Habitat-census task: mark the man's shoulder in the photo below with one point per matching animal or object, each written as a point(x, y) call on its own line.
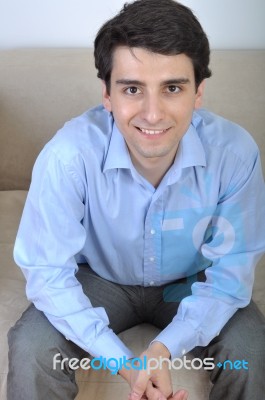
point(84, 135)
point(220, 133)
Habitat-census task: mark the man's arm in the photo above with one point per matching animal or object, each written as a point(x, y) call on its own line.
point(49, 237)
point(235, 246)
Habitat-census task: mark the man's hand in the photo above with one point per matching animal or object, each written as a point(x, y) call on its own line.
point(179, 395)
point(155, 383)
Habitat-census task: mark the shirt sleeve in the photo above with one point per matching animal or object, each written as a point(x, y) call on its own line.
point(234, 247)
point(50, 235)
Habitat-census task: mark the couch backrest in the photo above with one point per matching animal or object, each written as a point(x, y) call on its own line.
point(40, 89)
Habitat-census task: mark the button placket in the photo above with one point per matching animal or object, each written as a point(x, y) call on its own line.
point(152, 243)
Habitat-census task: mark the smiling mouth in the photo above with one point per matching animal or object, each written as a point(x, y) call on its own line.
point(152, 131)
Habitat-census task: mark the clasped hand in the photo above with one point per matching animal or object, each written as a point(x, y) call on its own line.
point(153, 383)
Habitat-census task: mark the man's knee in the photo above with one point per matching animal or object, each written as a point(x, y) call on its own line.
point(36, 352)
point(240, 345)
point(33, 340)
point(26, 346)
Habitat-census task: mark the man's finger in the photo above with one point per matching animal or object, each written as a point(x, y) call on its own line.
point(136, 394)
point(139, 386)
point(154, 393)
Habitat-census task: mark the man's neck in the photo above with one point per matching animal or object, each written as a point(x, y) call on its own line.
point(154, 169)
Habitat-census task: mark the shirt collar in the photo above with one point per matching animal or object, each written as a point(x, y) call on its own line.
point(191, 148)
point(190, 151)
point(118, 154)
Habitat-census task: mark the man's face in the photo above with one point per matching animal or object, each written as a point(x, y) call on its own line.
point(152, 98)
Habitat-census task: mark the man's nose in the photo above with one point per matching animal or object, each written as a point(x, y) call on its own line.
point(153, 110)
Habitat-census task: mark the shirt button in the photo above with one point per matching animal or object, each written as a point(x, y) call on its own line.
point(152, 231)
point(152, 283)
point(152, 259)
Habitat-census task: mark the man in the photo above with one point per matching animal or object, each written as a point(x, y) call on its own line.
point(163, 202)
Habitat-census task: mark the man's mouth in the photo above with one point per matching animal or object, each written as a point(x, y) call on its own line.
point(152, 131)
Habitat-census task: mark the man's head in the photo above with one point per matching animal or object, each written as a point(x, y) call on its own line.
point(160, 26)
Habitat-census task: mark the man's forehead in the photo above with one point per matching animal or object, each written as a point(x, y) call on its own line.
point(132, 63)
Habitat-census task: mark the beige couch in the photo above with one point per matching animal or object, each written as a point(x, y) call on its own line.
point(42, 88)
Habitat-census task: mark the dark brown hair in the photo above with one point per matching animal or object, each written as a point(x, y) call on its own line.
point(161, 26)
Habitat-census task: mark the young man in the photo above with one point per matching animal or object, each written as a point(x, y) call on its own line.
point(163, 202)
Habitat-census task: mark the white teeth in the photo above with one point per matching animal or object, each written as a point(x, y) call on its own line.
point(151, 132)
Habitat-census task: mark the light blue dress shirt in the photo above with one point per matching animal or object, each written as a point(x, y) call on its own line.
point(88, 203)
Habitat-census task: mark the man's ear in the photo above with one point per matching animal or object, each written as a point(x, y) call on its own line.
point(199, 95)
point(106, 97)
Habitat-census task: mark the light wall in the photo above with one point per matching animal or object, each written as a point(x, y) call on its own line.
point(65, 23)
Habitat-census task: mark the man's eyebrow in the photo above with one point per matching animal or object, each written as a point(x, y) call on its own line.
point(130, 82)
point(173, 81)
point(176, 81)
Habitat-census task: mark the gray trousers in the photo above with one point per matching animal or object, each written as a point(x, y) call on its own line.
point(33, 342)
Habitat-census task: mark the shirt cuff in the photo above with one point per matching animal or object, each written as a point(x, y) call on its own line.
point(109, 346)
point(179, 337)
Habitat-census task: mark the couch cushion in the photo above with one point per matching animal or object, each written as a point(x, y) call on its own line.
point(40, 90)
point(11, 206)
point(237, 90)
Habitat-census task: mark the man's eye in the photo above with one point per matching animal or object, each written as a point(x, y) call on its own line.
point(132, 90)
point(173, 89)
